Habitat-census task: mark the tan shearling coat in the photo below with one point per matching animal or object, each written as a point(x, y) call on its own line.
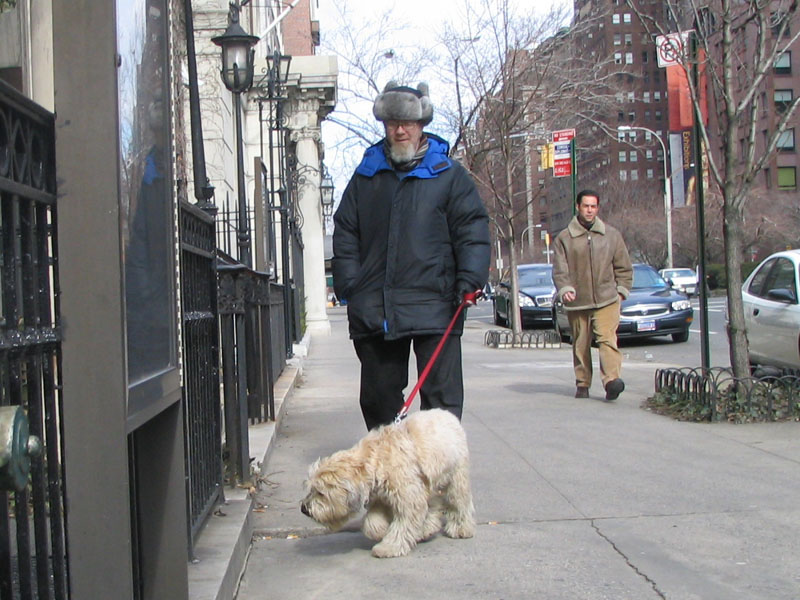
point(593, 263)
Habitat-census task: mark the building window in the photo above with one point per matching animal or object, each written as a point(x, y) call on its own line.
point(617, 58)
point(644, 57)
point(617, 39)
point(620, 116)
point(658, 115)
point(632, 136)
point(786, 141)
point(628, 39)
point(656, 96)
point(621, 136)
point(631, 116)
point(633, 155)
point(623, 175)
point(626, 18)
point(648, 136)
point(615, 19)
point(783, 98)
point(787, 178)
point(649, 173)
point(631, 96)
point(647, 115)
point(634, 175)
point(629, 58)
point(646, 97)
point(783, 63)
point(623, 156)
point(648, 154)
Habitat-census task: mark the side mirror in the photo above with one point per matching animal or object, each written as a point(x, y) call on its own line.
point(782, 295)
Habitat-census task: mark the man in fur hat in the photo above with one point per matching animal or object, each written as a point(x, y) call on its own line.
point(411, 238)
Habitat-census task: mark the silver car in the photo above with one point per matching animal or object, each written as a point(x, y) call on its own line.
point(772, 312)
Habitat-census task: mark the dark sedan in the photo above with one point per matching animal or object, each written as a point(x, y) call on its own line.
point(536, 291)
point(651, 309)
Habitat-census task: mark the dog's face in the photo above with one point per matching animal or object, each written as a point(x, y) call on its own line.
point(334, 492)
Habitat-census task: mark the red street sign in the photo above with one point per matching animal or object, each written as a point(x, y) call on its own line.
point(563, 135)
point(562, 170)
point(562, 152)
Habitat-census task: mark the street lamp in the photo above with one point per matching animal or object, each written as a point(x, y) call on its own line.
point(530, 235)
point(667, 187)
point(237, 75)
point(326, 195)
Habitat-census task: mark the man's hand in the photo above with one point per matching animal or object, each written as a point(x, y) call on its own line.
point(467, 296)
point(568, 296)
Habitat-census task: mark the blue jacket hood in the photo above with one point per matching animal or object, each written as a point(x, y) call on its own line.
point(435, 161)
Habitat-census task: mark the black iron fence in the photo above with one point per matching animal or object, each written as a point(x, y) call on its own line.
point(254, 354)
point(202, 411)
point(714, 394)
point(33, 561)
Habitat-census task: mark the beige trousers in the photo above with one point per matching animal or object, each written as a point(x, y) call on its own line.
point(602, 322)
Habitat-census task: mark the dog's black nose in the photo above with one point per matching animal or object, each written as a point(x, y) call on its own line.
point(304, 510)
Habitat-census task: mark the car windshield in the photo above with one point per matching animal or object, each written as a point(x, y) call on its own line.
point(535, 277)
point(645, 277)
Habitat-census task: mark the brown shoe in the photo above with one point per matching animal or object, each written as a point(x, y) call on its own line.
point(614, 389)
point(581, 392)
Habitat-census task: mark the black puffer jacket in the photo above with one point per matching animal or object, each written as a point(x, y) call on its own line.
point(404, 244)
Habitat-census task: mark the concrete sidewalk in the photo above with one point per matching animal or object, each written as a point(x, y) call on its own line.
point(575, 498)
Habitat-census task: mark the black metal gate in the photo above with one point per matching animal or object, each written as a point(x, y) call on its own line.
point(33, 562)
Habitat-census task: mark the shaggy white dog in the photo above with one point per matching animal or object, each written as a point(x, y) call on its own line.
point(408, 475)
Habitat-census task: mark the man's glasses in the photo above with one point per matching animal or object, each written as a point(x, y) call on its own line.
point(406, 125)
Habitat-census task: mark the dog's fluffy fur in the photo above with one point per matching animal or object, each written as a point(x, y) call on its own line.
point(408, 475)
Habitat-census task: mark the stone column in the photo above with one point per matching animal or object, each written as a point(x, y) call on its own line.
point(306, 140)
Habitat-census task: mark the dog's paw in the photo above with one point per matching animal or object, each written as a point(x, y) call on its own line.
point(459, 529)
point(432, 526)
point(385, 550)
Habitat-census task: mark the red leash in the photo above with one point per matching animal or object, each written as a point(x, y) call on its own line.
point(469, 299)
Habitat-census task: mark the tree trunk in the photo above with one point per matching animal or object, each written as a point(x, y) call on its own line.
point(737, 338)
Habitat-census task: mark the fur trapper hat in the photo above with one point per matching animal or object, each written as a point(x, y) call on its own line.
point(404, 103)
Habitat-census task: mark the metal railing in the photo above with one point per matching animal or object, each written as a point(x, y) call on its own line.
point(201, 396)
point(33, 560)
point(253, 355)
point(716, 395)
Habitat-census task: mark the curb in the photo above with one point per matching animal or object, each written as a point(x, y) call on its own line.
point(221, 549)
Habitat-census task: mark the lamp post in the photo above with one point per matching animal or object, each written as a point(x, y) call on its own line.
point(237, 75)
point(326, 195)
point(667, 187)
point(530, 235)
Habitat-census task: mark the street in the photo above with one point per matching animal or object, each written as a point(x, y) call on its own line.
point(662, 349)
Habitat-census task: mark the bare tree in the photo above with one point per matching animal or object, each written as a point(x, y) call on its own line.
point(517, 78)
point(738, 44)
point(368, 58)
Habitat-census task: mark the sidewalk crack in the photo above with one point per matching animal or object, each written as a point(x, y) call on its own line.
point(628, 561)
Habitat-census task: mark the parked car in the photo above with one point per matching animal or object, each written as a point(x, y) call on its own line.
point(682, 279)
point(771, 311)
point(653, 308)
point(536, 291)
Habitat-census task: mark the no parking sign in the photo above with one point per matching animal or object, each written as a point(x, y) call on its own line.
point(671, 48)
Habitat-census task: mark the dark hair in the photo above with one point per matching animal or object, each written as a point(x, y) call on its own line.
point(587, 192)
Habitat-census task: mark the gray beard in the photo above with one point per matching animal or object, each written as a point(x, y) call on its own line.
point(401, 153)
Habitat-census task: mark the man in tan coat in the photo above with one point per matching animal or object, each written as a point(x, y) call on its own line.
point(593, 274)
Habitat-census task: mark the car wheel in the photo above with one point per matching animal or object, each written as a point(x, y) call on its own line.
point(681, 336)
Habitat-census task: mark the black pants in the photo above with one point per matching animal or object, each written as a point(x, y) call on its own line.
point(384, 375)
